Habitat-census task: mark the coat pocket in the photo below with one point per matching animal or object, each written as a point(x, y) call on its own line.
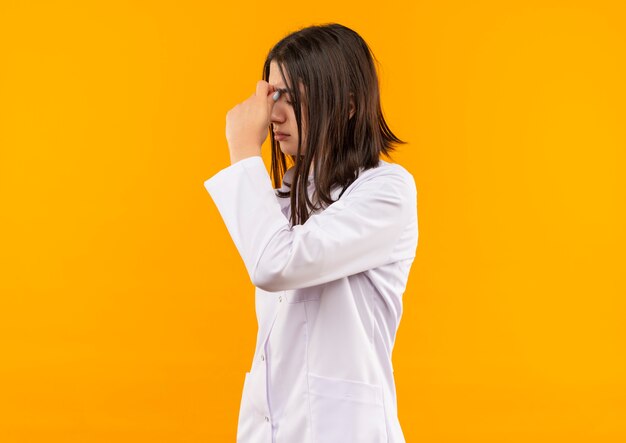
point(345, 411)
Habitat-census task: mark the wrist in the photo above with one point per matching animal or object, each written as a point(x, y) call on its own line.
point(241, 154)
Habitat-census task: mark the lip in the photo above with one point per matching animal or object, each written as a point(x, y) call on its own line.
point(280, 135)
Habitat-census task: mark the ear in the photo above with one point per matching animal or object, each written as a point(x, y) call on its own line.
point(351, 105)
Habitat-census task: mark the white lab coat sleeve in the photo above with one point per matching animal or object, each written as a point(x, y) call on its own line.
point(356, 233)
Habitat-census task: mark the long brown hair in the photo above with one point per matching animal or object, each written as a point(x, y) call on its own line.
point(333, 63)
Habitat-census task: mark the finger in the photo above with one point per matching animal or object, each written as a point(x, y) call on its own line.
point(261, 88)
point(271, 100)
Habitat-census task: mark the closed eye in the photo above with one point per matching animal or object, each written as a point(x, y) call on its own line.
point(284, 92)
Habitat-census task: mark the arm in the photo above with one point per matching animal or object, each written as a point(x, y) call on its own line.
point(354, 234)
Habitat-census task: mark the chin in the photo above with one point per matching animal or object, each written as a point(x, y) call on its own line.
point(286, 150)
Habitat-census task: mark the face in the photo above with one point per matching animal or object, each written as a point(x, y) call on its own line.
point(283, 116)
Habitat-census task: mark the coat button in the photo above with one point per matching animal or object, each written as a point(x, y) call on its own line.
point(262, 357)
point(280, 298)
point(267, 418)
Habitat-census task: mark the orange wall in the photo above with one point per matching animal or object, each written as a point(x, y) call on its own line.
point(126, 313)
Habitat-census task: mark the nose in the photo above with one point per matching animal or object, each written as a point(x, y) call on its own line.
point(278, 113)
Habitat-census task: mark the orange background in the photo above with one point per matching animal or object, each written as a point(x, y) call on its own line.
point(126, 312)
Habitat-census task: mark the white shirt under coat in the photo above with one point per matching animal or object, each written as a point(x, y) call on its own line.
point(328, 303)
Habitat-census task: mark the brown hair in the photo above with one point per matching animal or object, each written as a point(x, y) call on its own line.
point(333, 63)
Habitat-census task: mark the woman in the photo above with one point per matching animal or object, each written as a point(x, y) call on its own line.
point(329, 252)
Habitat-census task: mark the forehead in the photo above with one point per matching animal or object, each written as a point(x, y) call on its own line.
point(275, 78)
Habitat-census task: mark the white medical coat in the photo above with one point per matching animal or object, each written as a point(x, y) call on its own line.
point(328, 303)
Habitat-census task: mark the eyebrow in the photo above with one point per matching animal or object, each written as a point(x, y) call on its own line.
point(283, 90)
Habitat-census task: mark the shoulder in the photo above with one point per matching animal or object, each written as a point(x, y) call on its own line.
point(394, 174)
point(388, 175)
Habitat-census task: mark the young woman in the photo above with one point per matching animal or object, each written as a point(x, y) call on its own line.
point(329, 251)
